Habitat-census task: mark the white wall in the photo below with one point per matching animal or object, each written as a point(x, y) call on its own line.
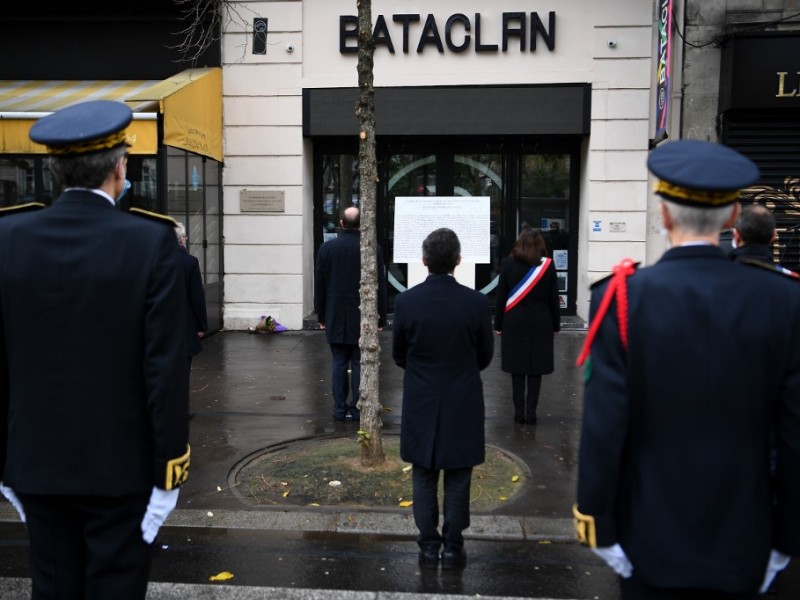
point(269, 257)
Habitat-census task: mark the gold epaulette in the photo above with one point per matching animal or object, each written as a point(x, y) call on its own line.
point(605, 278)
point(585, 527)
point(166, 220)
point(177, 470)
point(772, 268)
point(21, 208)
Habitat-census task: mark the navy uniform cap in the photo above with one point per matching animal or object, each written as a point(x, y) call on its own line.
point(697, 173)
point(83, 128)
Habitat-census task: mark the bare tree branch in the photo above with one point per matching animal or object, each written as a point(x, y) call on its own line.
point(204, 20)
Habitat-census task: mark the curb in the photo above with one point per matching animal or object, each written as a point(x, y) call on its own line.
point(483, 527)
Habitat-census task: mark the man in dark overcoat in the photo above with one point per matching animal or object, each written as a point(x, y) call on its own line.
point(93, 428)
point(337, 300)
point(443, 340)
point(695, 362)
point(196, 317)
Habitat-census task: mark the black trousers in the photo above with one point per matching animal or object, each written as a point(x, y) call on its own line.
point(525, 404)
point(86, 547)
point(632, 589)
point(425, 483)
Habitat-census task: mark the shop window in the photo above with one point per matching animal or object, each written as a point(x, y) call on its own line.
point(25, 179)
point(340, 181)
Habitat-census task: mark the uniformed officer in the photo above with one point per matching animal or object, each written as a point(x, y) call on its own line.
point(93, 427)
point(692, 362)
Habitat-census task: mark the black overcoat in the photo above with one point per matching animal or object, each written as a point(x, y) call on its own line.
point(337, 282)
point(675, 446)
point(196, 316)
point(443, 339)
point(91, 350)
point(528, 328)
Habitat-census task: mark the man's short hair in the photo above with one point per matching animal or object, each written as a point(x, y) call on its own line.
point(86, 170)
point(756, 224)
point(351, 218)
point(180, 230)
point(696, 220)
point(441, 250)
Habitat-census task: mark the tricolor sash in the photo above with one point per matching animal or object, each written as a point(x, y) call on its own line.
point(527, 284)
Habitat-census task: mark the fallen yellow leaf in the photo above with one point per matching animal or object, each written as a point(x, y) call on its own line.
point(515, 478)
point(285, 494)
point(224, 576)
point(502, 498)
point(405, 503)
point(406, 469)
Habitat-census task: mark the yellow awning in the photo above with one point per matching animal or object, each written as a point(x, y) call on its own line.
point(23, 102)
point(190, 102)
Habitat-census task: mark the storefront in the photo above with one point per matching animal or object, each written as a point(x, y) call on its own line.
point(760, 116)
point(174, 159)
point(546, 112)
point(526, 162)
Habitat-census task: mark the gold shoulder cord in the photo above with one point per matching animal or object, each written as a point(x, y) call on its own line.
point(177, 470)
point(153, 215)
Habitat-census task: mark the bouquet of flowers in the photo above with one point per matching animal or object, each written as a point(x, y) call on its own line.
point(268, 325)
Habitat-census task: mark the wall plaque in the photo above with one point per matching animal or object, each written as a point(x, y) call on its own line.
point(262, 201)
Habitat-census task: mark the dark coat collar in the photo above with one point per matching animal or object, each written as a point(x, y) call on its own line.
point(703, 251)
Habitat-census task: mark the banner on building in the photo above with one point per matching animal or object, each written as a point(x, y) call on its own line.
point(663, 72)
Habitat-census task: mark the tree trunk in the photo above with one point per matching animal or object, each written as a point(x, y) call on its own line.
point(370, 436)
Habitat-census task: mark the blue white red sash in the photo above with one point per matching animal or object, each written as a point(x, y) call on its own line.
point(527, 284)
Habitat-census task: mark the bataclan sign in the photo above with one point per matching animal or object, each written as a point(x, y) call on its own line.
point(460, 33)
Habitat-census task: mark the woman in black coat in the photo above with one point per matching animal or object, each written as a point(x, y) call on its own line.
point(527, 315)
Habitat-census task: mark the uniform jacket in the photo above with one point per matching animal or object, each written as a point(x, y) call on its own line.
point(443, 339)
point(528, 328)
point(196, 318)
point(337, 282)
point(674, 456)
point(90, 363)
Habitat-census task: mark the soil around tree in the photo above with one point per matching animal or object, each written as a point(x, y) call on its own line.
point(327, 471)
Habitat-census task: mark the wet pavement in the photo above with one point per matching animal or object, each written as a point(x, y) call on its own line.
point(251, 392)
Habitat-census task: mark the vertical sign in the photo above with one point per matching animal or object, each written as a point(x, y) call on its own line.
point(260, 35)
point(664, 69)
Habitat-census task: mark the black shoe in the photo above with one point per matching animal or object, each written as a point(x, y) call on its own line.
point(531, 421)
point(428, 559)
point(519, 420)
point(455, 558)
point(338, 419)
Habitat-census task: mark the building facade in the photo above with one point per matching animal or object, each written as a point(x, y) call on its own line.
point(547, 111)
point(544, 113)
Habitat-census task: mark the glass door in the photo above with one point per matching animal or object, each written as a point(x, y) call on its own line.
point(545, 195)
point(444, 174)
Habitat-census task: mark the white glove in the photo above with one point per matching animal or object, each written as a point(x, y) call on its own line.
point(161, 504)
point(777, 563)
point(616, 558)
point(12, 497)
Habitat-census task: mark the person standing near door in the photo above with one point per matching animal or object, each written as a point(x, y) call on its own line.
point(93, 427)
point(527, 317)
point(337, 297)
point(196, 317)
point(442, 338)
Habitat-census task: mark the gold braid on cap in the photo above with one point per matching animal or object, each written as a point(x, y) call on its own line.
point(105, 143)
point(699, 196)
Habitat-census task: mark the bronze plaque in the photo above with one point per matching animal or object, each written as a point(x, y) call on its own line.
point(262, 201)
